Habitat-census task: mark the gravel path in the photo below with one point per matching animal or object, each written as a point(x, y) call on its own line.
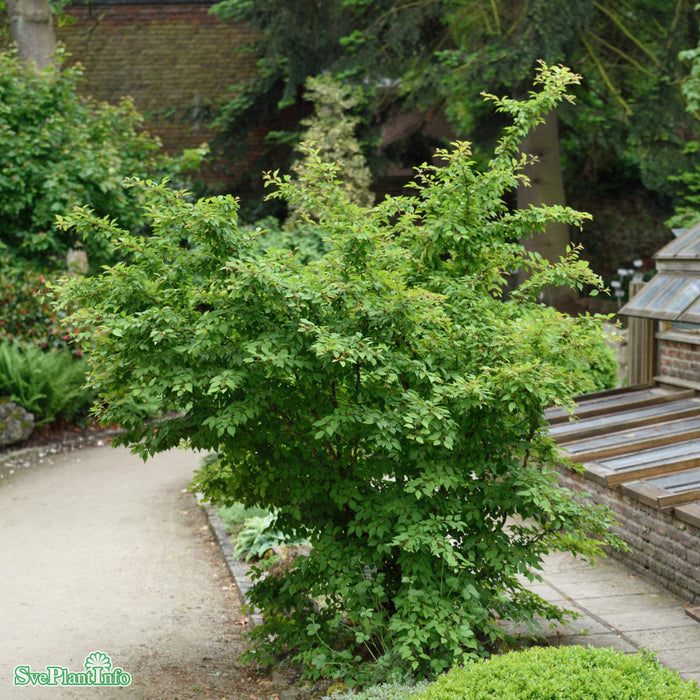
point(102, 552)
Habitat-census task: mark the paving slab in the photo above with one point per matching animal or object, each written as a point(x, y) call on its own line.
point(682, 660)
point(639, 617)
point(656, 604)
point(609, 641)
point(608, 588)
point(670, 638)
point(623, 610)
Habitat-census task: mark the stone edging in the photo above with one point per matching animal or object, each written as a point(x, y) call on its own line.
point(237, 568)
point(239, 573)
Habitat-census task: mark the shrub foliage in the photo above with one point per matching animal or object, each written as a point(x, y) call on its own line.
point(571, 672)
point(26, 314)
point(58, 150)
point(384, 401)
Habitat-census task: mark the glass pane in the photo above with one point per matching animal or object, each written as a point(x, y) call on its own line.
point(686, 245)
point(691, 316)
point(664, 297)
point(685, 295)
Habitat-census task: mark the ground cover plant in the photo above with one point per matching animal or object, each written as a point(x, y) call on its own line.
point(566, 673)
point(234, 516)
point(385, 401)
point(258, 539)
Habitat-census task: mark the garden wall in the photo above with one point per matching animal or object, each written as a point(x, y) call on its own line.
point(679, 358)
point(174, 59)
point(664, 545)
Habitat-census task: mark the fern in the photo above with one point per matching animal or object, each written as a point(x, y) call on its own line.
point(48, 384)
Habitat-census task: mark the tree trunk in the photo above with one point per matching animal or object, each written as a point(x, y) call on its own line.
point(546, 187)
point(31, 29)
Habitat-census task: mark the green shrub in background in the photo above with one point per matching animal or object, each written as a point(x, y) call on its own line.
point(566, 673)
point(235, 515)
point(331, 133)
point(48, 384)
point(26, 314)
point(600, 363)
point(604, 367)
point(59, 150)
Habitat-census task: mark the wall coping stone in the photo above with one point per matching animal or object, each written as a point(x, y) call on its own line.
point(679, 337)
point(677, 381)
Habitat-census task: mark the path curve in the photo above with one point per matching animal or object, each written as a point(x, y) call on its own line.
point(101, 552)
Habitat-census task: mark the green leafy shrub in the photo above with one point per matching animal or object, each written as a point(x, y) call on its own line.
point(59, 150)
point(26, 314)
point(598, 362)
point(307, 241)
point(385, 400)
point(567, 672)
point(48, 384)
point(233, 515)
point(603, 365)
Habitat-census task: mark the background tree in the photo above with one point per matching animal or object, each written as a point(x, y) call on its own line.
point(626, 138)
point(31, 30)
point(370, 44)
point(687, 212)
point(633, 115)
point(382, 400)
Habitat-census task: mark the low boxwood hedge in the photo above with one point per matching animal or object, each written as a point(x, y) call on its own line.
point(563, 673)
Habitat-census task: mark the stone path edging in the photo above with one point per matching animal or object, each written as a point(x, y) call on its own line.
point(237, 568)
point(239, 573)
point(24, 457)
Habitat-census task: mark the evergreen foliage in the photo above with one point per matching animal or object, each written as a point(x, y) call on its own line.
point(687, 211)
point(295, 40)
point(385, 400)
point(330, 132)
point(631, 117)
point(570, 672)
point(625, 141)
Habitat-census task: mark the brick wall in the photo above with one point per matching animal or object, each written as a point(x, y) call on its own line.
point(664, 545)
point(175, 60)
point(678, 359)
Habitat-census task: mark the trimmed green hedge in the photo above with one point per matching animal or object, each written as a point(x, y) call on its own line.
point(563, 673)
